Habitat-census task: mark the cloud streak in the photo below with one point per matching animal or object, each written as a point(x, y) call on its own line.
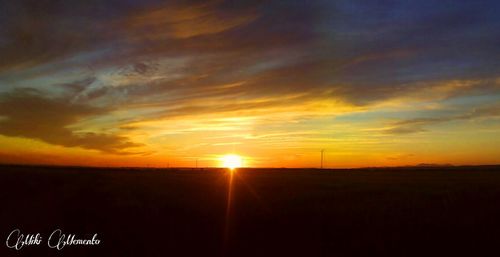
point(418, 124)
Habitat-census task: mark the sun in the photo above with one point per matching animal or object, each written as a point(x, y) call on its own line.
point(231, 161)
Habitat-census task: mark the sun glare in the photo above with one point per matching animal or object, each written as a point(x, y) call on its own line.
point(231, 161)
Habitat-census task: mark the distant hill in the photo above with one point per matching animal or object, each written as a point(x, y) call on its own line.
point(434, 165)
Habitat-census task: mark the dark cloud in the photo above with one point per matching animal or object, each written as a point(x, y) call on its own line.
point(40, 32)
point(365, 49)
point(27, 113)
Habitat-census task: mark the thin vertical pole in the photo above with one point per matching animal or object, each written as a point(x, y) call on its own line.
point(322, 152)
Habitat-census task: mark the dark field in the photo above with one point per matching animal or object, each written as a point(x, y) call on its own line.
point(446, 211)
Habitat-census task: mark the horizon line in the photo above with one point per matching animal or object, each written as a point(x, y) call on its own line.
point(422, 165)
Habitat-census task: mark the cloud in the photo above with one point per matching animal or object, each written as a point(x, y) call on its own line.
point(418, 124)
point(405, 129)
point(186, 21)
point(40, 32)
point(29, 114)
point(76, 87)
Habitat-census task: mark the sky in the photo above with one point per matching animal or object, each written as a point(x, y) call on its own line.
point(169, 83)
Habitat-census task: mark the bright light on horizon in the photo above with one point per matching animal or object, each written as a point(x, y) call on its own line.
point(231, 161)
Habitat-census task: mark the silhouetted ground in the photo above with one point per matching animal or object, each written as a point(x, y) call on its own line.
point(425, 211)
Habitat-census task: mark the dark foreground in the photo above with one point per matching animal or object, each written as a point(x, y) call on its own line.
point(382, 212)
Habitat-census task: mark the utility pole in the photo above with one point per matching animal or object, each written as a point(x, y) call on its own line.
point(322, 153)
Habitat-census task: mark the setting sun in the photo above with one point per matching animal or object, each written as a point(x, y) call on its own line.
point(231, 161)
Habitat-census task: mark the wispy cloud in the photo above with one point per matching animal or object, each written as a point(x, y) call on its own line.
point(419, 124)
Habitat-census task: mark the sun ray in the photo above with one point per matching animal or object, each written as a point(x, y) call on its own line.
point(230, 176)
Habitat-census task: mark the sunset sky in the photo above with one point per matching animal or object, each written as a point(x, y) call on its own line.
point(164, 83)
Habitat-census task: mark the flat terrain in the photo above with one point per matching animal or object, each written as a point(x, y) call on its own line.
point(441, 211)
